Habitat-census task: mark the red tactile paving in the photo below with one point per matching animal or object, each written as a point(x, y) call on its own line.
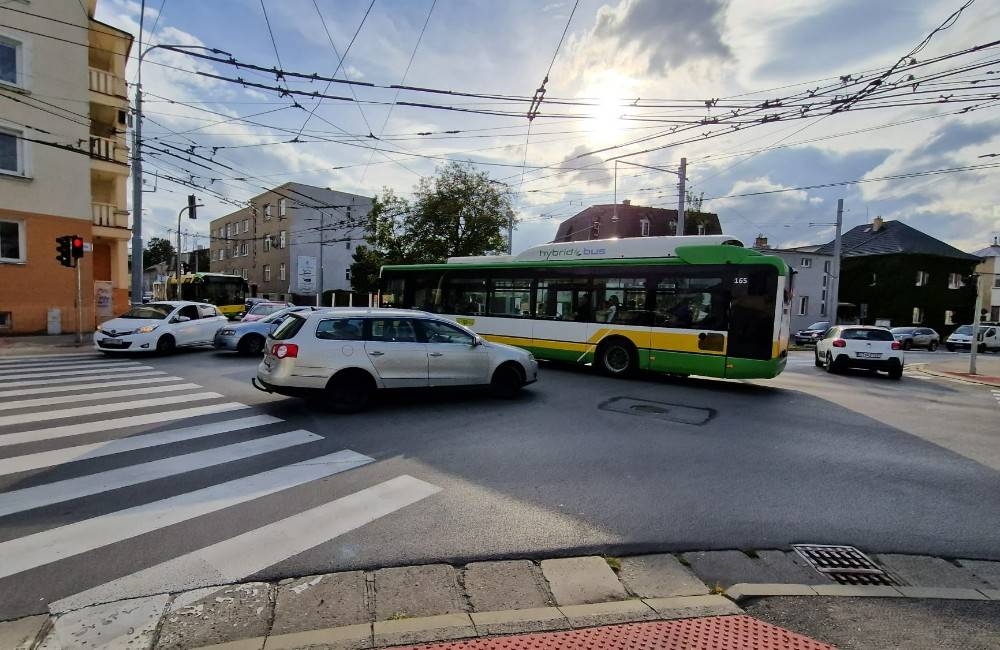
point(713, 633)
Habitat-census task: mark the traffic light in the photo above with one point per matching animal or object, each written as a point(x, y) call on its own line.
point(192, 206)
point(64, 250)
point(76, 243)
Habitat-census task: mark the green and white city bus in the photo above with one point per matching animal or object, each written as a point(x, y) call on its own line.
point(696, 305)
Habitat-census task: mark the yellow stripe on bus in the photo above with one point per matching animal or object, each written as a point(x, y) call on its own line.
point(668, 341)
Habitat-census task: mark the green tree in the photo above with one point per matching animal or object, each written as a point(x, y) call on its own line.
point(457, 212)
point(158, 250)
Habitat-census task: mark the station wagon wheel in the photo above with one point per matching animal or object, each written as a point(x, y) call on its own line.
point(349, 391)
point(933, 346)
point(506, 382)
point(251, 344)
point(907, 344)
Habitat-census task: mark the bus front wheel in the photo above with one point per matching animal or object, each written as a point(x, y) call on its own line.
point(617, 358)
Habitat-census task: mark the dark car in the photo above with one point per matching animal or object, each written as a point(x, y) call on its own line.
point(916, 337)
point(812, 333)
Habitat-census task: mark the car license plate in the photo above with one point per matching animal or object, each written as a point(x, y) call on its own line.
point(868, 355)
point(112, 343)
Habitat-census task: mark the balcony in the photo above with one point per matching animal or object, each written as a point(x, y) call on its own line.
point(106, 83)
point(108, 215)
point(108, 150)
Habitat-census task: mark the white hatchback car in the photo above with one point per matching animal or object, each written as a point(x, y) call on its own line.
point(860, 346)
point(347, 354)
point(160, 327)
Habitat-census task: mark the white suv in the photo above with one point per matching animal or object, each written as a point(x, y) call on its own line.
point(858, 346)
point(349, 353)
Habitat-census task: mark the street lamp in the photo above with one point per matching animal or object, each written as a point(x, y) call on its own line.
point(137, 164)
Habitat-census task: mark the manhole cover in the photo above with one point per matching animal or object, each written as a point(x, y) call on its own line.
point(844, 564)
point(658, 410)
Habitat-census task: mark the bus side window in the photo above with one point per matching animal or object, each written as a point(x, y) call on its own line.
point(620, 300)
point(564, 299)
point(691, 303)
point(426, 293)
point(511, 297)
point(465, 296)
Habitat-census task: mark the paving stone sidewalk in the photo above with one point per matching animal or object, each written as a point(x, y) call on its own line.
point(416, 604)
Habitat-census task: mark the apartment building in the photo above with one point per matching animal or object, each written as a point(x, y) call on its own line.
point(812, 281)
point(275, 242)
point(989, 279)
point(64, 164)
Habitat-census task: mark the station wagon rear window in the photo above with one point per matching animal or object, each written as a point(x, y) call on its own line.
point(288, 328)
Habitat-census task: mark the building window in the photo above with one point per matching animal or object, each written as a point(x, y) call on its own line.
point(12, 152)
point(822, 307)
point(644, 228)
point(281, 208)
point(995, 313)
point(923, 278)
point(918, 316)
point(11, 61)
point(874, 281)
point(267, 243)
point(949, 317)
point(824, 280)
point(246, 225)
point(701, 229)
point(955, 281)
point(282, 239)
point(826, 266)
point(12, 247)
point(803, 305)
point(595, 230)
point(267, 212)
point(805, 263)
point(347, 274)
point(244, 274)
point(282, 272)
point(222, 254)
point(229, 230)
point(996, 282)
point(347, 244)
point(6, 321)
point(267, 273)
point(243, 249)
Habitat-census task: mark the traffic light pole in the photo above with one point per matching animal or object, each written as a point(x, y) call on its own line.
point(974, 346)
point(79, 306)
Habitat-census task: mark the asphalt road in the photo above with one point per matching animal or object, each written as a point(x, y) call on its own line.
point(910, 466)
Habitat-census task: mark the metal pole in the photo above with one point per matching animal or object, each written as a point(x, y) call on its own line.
point(79, 306)
point(322, 239)
point(179, 214)
point(137, 193)
point(614, 212)
point(833, 291)
point(974, 345)
point(680, 199)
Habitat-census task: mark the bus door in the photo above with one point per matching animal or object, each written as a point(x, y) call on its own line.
point(563, 317)
point(752, 313)
point(690, 314)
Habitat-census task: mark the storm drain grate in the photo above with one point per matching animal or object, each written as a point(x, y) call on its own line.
point(844, 564)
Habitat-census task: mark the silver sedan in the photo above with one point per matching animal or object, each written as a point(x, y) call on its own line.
point(249, 338)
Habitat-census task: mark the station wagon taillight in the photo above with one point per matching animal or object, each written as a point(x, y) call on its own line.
point(285, 350)
point(839, 343)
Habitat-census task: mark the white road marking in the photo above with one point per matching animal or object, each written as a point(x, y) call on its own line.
point(93, 371)
point(236, 558)
point(41, 459)
point(74, 488)
point(116, 423)
point(73, 539)
point(12, 359)
point(57, 414)
point(107, 365)
point(19, 392)
point(71, 380)
point(70, 399)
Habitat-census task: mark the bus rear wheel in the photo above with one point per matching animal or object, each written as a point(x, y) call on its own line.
point(617, 358)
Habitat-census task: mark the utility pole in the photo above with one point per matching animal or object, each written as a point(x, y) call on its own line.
point(974, 346)
point(680, 199)
point(322, 241)
point(614, 211)
point(833, 291)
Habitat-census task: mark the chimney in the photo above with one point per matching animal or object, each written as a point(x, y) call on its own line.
point(626, 201)
point(996, 239)
point(761, 241)
point(877, 224)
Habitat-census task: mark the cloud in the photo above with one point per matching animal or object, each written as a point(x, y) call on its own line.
point(651, 37)
point(597, 174)
point(954, 136)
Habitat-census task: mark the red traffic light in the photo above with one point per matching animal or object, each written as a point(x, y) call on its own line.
point(77, 247)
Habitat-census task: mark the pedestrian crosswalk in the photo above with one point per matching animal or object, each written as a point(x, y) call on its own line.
point(97, 454)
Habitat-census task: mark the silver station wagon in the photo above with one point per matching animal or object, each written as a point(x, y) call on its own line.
point(347, 354)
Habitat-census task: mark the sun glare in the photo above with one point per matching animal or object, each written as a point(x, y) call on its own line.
point(608, 92)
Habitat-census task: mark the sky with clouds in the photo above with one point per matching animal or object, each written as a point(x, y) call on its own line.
point(649, 49)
